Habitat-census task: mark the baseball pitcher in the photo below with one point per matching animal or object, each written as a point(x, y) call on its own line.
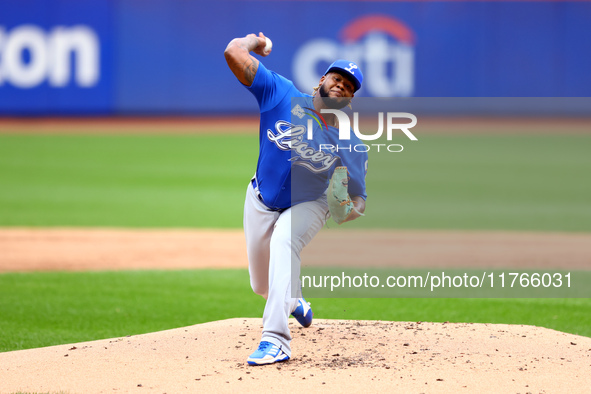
point(296, 183)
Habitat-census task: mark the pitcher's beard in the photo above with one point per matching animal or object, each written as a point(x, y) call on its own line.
point(332, 102)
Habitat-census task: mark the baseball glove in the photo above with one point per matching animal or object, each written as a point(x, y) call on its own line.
point(339, 203)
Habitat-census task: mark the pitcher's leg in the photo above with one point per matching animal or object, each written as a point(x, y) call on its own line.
point(307, 220)
point(294, 229)
point(258, 228)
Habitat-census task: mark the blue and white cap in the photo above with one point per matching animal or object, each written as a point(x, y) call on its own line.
point(348, 68)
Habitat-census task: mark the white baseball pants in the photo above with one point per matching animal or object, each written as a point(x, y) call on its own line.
point(274, 241)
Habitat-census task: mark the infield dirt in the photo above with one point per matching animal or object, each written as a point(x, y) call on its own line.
point(350, 356)
point(30, 249)
point(331, 355)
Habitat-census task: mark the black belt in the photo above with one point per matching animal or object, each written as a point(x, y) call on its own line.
point(255, 187)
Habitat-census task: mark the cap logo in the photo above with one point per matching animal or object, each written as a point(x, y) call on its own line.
point(351, 67)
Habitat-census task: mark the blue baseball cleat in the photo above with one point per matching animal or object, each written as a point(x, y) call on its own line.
point(267, 353)
point(303, 313)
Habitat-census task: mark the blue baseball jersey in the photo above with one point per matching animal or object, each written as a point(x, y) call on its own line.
point(293, 168)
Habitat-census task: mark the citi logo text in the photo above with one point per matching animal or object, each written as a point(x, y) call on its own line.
point(382, 46)
point(30, 56)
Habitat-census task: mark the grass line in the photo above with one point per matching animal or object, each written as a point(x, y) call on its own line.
point(43, 309)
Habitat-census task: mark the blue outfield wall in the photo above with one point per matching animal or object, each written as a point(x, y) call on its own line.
point(130, 57)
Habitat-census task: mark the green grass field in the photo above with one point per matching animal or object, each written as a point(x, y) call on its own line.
point(124, 181)
point(41, 309)
point(486, 182)
point(480, 182)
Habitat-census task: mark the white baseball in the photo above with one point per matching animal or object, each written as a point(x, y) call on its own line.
point(268, 46)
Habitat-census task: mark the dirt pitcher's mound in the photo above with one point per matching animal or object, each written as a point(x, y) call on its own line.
point(356, 356)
